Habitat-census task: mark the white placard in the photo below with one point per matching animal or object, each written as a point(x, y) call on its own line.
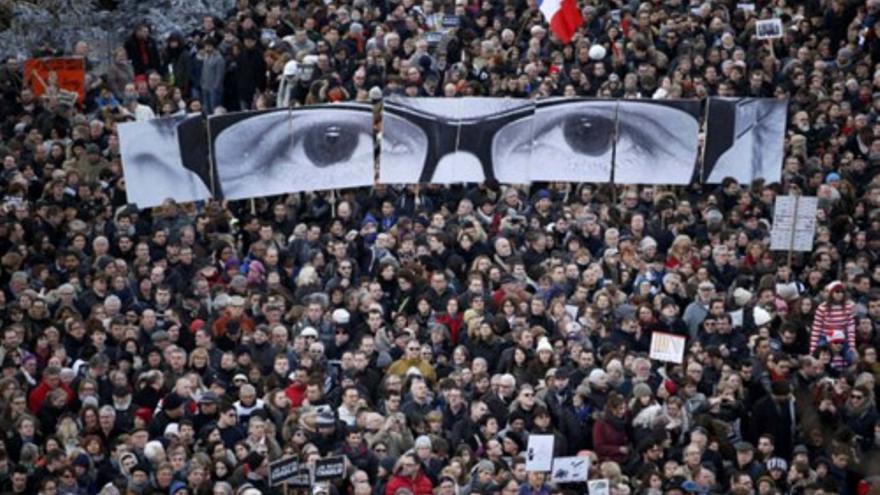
point(570, 469)
point(667, 347)
point(769, 29)
point(794, 223)
point(539, 456)
point(748, 7)
point(598, 487)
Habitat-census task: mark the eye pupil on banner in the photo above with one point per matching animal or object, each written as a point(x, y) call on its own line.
point(589, 135)
point(330, 144)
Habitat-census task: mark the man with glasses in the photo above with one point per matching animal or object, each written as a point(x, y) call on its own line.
point(860, 415)
point(412, 358)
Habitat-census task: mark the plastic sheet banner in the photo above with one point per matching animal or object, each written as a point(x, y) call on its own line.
point(450, 140)
point(281, 151)
point(166, 159)
point(442, 140)
point(454, 140)
point(744, 139)
point(43, 75)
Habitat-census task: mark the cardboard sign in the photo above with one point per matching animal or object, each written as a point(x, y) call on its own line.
point(769, 29)
point(69, 74)
point(599, 487)
point(570, 469)
point(794, 223)
point(451, 21)
point(283, 470)
point(539, 455)
point(667, 347)
point(330, 468)
point(302, 479)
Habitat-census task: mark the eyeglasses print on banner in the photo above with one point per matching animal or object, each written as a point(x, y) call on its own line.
point(565, 139)
point(453, 140)
point(443, 140)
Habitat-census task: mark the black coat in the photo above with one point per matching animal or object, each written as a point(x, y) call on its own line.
point(250, 73)
point(144, 55)
point(777, 419)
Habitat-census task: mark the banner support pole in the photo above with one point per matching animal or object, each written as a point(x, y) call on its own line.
point(797, 200)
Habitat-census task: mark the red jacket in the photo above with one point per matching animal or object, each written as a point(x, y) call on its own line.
point(38, 395)
point(296, 394)
point(607, 441)
point(420, 485)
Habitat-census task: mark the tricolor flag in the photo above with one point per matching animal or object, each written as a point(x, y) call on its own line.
point(563, 16)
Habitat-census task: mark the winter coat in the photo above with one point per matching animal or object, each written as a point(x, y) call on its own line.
point(607, 441)
point(144, 55)
point(418, 485)
point(213, 72)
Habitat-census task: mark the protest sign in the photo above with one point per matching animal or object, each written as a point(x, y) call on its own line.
point(540, 453)
point(667, 347)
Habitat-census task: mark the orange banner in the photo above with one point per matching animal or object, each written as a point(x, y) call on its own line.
point(67, 73)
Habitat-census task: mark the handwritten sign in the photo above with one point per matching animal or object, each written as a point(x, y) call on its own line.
point(539, 455)
point(283, 470)
point(330, 468)
point(68, 73)
point(667, 347)
point(794, 223)
point(570, 469)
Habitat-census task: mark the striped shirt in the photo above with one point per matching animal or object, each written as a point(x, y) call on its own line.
point(830, 318)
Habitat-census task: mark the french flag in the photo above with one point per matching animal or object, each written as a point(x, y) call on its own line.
point(563, 16)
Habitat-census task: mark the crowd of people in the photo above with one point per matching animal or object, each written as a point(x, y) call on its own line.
point(426, 332)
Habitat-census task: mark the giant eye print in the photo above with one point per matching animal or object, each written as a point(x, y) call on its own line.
point(282, 151)
point(657, 142)
point(444, 140)
point(155, 165)
point(744, 139)
point(573, 140)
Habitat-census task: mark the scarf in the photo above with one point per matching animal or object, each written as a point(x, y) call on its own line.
point(616, 422)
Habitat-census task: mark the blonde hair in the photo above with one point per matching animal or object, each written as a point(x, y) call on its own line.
point(307, 275)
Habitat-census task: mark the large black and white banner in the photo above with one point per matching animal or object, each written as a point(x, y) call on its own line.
point(165, 158)
point(576, 140)
point(657, 142)
point(443, 140)
point(744, 139)
point(283, 151)
point(573, 140)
